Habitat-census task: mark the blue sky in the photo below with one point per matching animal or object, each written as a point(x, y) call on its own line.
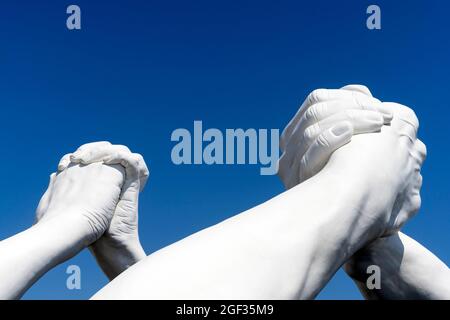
point(140, 69)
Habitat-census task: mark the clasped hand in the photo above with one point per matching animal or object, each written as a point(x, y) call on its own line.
point(97, 189)
point(385, 154)
point(369, 144)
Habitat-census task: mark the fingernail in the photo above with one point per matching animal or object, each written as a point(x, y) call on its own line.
point(340, 129)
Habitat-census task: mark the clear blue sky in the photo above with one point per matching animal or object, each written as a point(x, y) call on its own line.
point(140, 69)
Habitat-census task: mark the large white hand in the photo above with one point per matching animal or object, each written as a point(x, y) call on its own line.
point(344, 112)
point(400, 137)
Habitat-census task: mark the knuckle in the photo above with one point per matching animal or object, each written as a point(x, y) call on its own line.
point(309, 134)
point(421, 148)
point(134, 162)
point(310, 114)
point(65, 158)
point(139, 157)
point(410, 115)
point(316, 111)
point(405, 113)
point(317, 95)
point(322, 141)
point(140, 160)
point(122, 148)
point(321, 109)
point(81, 148)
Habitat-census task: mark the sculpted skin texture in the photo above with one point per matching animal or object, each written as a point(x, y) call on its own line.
point(351, 167)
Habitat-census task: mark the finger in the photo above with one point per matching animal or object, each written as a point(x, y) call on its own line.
point(93, 145)
point(363, 121)
point(419, 151)
point(323, 110)
point(322, 95)
point(43, 203)
point(131, 186)
point(380, 107)
point(325, 144)
point(64, 162)
point(90, 146)
point(128, 161)
point(98, 153)
point(358, 88)
point(115, 154)
point(403, 115)
point(139, 166)
point(144, 173)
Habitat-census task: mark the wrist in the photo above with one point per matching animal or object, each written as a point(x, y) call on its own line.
point(366, 195)
point(115, 257)
point(354, 216)
point(65, 237)
point(83, 229)
point(322, 226)
point(385, 251)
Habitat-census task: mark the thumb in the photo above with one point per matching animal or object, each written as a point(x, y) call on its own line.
point(321, 149)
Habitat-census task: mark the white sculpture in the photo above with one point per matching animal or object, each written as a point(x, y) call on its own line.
point(345, 203)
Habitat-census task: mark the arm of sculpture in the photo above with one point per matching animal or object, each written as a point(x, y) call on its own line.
point(73, 213)
point(290, 246)
point(407, 270)
point(28, 255)
point(119, 247)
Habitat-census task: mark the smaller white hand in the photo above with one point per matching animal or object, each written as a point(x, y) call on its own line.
point(87, 195)
point(120, 246)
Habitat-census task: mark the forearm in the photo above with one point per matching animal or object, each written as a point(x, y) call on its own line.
point(286, 248)
point(113, 259)
point(408, 270)
point(28, 255)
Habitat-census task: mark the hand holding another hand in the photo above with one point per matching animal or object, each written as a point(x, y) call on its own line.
point(387, 161)
point(84, 195)
point(119, 247)
point(97, 187)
